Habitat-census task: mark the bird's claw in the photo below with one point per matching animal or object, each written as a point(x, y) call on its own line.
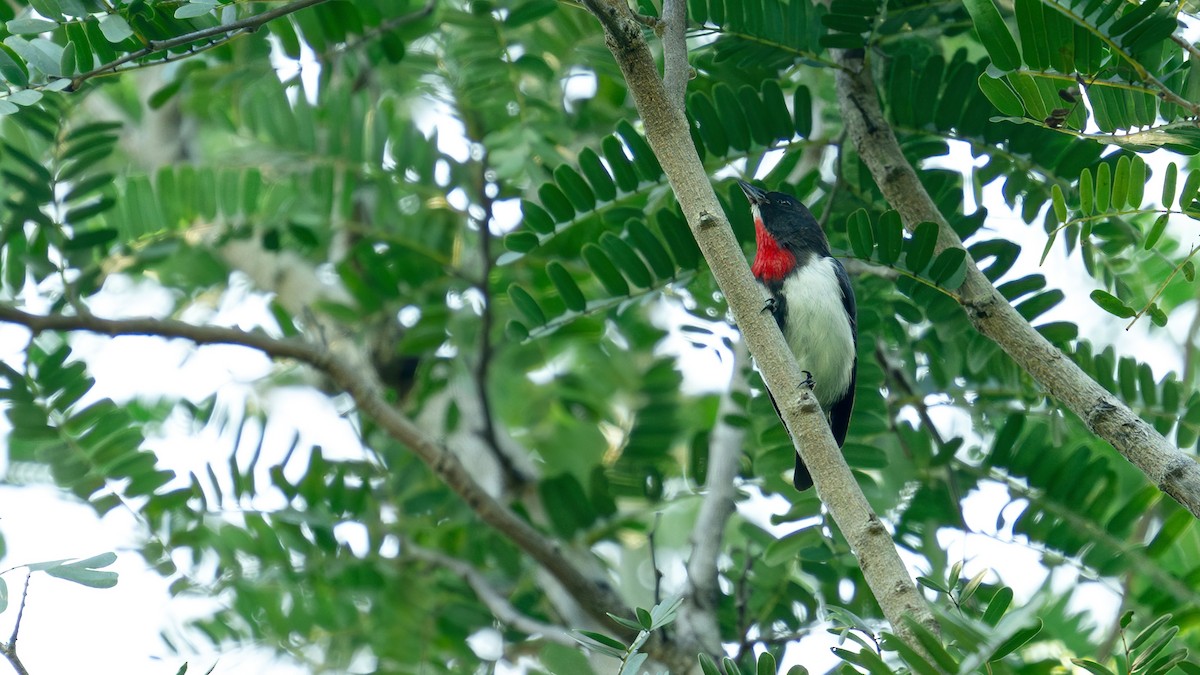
point(808, 380)
point(769, 306)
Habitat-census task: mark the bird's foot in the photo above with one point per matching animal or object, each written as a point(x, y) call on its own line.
point(808, 380)
point(769, 306)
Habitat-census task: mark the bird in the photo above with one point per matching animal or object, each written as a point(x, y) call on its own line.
point(810, 296)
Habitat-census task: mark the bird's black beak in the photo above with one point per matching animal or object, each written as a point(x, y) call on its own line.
point(753, 194)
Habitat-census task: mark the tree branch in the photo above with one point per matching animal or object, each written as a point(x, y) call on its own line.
point(1171, 470)
point(676, 71)
point(513, 477)
point(360, 382)
point(9, 649)
point(226, 31)
point(667, 132)
point(500, 607)
point(698, 613)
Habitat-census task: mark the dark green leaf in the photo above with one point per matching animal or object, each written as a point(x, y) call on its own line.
point(994, 35)
point(1111, 304)
point(602, 266)
point(525, 303)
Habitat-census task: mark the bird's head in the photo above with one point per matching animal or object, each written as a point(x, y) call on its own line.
point(786, 231)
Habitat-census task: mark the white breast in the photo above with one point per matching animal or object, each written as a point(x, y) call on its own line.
point(818, 330)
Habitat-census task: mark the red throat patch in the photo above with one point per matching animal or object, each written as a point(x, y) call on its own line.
point(772, 262)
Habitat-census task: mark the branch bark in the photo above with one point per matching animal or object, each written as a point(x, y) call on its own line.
point(667, 132)
point(676, 70)
point(1172, 471)
point(360, 382)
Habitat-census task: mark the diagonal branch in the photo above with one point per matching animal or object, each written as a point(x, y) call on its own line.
point(1171, 470)
point(501, 608)
point(595, 596)
point(667, 132)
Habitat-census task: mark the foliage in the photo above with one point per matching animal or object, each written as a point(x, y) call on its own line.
point(461, 192)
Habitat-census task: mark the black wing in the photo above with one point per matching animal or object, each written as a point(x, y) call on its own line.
point(839, 414)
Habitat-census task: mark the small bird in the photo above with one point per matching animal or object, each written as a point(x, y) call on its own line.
point(812, 301)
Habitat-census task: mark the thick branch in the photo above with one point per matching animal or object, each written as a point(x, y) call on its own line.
point(676, 70)
point(499, 606)
point(1172, 471)
point(667, 131)
point(360, 383)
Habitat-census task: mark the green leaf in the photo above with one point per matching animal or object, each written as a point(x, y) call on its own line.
point(858, 227)
point(115, 28)
point(707, 665)
point(12, 67)
point(1086, 193)
point(530, 11)
point(604, 640)
point(950, 268)
point(1060, 203)
point(1120, 183)
point(651, 249)
point(1001, 95)
point(27, 25)
point(1103, 188)
point(626, 259)
point(1016, 641)
point(1148, 632)
point(1168, 193)
point(602, 266)
point(536, 217)
point(525, 303)
point(567, 289)
point(998, 605)
point(919, 248)
point(802, 108)
point(556, 202)
point(994, 35)
point(1156, 231)
point(766, 663)
point(1092, 667)
point(1111, 304)
point(1190, 186)
point(597, 175)
point(890, 235)
point(631, 625)
point(194, 9)
point(575, 188)
point(730, 666)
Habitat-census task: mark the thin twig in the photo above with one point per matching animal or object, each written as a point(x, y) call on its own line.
point(226, 32)
point(248, 24)
point(743, 601)
point(513, 477)
point(654, 558)
point(496, 602)
point(10, 650)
